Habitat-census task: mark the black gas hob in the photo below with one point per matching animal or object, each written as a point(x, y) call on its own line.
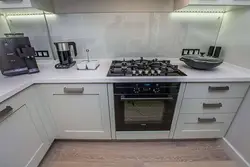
point(143, 67)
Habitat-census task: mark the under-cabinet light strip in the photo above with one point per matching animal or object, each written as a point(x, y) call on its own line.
point(47, 13)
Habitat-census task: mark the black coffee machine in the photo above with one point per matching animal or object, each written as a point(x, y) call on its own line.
point(66, 51)
point(17, 56)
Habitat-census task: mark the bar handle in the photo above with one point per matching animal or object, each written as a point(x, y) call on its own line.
point(151, 98)
point(73, 90)
point(218, 88)
point(5, 111)
point(206, 120)
point(212, 105)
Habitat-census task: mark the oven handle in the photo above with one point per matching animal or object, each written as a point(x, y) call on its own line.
point(152, 98)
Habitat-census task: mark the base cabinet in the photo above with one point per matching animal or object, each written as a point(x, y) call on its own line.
point(23, 143)
point(80, 111)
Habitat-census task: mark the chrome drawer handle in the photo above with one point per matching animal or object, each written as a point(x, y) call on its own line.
point(218, 88)
point(206, 120)
point(6, 111)
point(212, 105)
point(152, 98)
point(73, 90)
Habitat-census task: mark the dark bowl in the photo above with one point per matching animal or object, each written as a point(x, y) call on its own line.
point(202, 63)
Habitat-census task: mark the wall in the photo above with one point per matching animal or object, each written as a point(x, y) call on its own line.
point(3, 26)
point(112, 35)
point(235, 37)
point(239, 132)
point(34, 27)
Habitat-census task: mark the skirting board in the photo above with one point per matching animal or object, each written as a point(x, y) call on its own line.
point(233, 153)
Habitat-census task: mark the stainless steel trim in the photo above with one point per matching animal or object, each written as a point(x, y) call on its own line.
point(152, 98)
point(206, 120)
point(73, 90)
point(212, 105)
point(218, 88)
point(6, 111)
point(63, 46)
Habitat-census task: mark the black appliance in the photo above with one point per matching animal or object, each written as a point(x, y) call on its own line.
point(17, 56)
point(66, 51)
point(145, 106)
point(143, 67)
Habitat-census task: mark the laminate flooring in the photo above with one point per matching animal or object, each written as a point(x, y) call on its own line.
point(137, 154)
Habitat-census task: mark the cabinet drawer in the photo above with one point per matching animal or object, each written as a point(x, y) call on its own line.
point(215, 90)
point(202, 125)
point(68, 89)
point(9, 106)
point(210, 105)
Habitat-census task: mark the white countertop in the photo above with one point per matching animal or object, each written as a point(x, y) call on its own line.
point(48, 74)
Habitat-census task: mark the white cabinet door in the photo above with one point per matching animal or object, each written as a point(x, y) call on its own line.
point(15, 4)
point(20, 142)
point(80, 110)
point(206, 2)
point(237, 2)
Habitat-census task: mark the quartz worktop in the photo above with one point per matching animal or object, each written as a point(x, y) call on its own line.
point(48, 74)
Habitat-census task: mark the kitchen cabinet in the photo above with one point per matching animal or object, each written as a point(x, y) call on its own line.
point(208, 109)
point(23, 140)
point(80, 111)
point(45, 5)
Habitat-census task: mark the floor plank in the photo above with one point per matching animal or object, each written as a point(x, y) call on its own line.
point(137, 154)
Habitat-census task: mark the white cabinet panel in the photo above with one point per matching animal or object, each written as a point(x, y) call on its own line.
point(206, 2)
point(15, 4)
point(210, 105)
point(20, 143)
point(202, 125)
point(215, 90)
point(80, 111)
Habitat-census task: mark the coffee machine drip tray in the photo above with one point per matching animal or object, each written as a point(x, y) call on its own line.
point(64, 66)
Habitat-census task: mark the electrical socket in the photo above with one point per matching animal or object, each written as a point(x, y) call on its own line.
point(190, 51)
point(42, 53)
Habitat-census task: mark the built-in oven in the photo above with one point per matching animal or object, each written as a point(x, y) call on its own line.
point(145, 106)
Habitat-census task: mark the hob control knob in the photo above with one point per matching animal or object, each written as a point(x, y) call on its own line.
point(156, 90)
point(136, 90)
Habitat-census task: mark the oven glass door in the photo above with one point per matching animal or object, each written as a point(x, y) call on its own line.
point(135, 113)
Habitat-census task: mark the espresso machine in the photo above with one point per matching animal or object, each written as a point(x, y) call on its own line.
point(66, 51)
point(17, 56)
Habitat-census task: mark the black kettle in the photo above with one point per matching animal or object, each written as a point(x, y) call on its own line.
point(66, 51)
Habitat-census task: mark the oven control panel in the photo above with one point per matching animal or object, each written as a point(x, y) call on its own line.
point(146, 88)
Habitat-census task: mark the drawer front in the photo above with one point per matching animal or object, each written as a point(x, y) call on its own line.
point(202, 125)
point(215, 90)
point(73, 89)
point(9, 106)
point(210, 105)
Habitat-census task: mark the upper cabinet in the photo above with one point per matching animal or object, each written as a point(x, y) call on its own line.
point(88, 6)
point(209, 5)
point(45, 5)
point(15, 4)
point(91, 6)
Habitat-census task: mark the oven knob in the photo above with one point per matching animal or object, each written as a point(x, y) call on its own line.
point(156, 90)
point(140, 72)
point(152, 72)
point(136, 90)
point(133, 72)
point(158, 72)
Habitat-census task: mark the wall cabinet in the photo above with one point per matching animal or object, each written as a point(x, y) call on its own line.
point(23, 139)
point(80, 111)
point(26, 4)
point(15, 4)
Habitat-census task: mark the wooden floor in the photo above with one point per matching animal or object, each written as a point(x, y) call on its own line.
point(137, 154)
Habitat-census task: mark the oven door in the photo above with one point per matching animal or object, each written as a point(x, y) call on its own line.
point(144, 113)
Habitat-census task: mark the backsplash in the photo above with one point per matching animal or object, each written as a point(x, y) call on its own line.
point(110, 35)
